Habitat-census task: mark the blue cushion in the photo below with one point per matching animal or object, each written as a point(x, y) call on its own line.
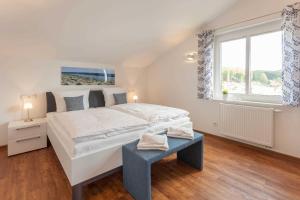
point(74, 103)
point(120, 98)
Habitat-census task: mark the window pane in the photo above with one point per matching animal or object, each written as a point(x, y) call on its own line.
point(233, 63)
point(265, 63)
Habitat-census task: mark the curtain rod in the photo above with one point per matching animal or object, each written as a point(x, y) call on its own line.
point(247, 20)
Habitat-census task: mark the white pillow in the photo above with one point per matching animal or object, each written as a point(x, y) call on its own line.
point(109, 95)
point(60, 101)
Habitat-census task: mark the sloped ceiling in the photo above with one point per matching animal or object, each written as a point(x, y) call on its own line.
point(131, 33)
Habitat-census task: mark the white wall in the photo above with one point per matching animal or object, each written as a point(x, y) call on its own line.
point(38, 72)
point(173, 82)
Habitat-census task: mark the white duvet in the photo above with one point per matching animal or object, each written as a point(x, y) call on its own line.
point(83, 145)
point(151, 112)
point(163, 126)
point(98, 123)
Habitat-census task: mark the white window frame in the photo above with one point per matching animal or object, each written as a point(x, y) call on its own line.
point(246, 33)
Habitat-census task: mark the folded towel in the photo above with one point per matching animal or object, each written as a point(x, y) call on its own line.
point(153, 142)
point(181, 132)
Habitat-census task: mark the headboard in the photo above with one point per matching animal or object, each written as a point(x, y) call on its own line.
point(96, 99)
point(51, 104)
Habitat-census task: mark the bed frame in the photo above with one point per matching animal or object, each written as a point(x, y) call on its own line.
point(85, 169)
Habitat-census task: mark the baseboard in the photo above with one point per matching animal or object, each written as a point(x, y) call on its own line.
point(263, 149)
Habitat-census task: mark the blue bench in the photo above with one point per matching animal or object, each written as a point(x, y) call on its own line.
point(137, 163)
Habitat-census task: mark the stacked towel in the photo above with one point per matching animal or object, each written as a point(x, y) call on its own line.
point(181, 132)
point(153, 142)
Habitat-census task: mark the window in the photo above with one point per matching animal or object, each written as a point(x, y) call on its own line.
point(248, 63)
point(233, 65)
point(265, 63)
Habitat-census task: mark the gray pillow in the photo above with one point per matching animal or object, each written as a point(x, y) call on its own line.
point(96, 99)
point(120, 98)
point(74, 103)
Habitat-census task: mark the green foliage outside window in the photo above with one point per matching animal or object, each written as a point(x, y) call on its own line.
point(260, 76)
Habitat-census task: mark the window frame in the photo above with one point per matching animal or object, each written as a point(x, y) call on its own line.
point(247, 33)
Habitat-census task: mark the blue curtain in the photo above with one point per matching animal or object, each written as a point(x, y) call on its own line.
point(205, 64)
point(291, 55)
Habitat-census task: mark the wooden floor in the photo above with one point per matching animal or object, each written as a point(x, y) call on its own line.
point(231, 171)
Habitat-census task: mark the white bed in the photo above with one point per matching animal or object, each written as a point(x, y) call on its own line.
point(86, 159)
point(89, 155)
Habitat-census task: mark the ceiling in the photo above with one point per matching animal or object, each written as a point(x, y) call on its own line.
point(130, 33)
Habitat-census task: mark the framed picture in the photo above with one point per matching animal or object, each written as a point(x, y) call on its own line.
point(87, 76)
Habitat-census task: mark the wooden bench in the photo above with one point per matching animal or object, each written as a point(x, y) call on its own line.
point(137, 163)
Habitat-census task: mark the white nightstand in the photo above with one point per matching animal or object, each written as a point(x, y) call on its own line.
point(27, 136)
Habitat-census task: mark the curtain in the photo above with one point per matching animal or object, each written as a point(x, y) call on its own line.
point(291, 55)
point(205, 64)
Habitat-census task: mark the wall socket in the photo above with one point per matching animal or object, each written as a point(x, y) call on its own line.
point(215, 124)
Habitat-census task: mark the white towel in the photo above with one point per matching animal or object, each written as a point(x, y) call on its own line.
point(153, 142)
point(181, 132)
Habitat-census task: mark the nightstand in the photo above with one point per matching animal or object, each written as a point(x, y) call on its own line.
point(27, 136)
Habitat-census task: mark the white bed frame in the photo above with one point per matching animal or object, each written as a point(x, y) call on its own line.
point(85, 169)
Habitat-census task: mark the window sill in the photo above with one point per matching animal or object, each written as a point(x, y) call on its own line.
point(249, 103)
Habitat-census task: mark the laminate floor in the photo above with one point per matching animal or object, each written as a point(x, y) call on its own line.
point(232, 171)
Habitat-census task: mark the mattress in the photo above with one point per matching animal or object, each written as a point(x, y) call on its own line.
point(77, 148)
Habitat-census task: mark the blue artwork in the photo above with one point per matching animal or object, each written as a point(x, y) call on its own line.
point(87, 76)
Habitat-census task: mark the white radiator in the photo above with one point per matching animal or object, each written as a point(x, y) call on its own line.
point(251, 124)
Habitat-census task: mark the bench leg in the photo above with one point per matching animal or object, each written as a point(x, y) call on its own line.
point(77, 192)
point(192, 155)
point(136, 176)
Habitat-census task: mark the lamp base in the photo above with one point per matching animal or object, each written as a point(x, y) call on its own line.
point(28, 119)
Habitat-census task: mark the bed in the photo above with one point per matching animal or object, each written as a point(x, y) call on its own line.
point(86, 158)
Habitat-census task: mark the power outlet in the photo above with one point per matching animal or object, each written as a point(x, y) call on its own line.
point(215, 124)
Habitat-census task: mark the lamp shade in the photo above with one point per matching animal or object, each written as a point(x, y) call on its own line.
point(28, 105)
point(135, 97)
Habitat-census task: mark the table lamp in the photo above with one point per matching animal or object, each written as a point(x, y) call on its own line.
point(28, 106)
point(135, 98)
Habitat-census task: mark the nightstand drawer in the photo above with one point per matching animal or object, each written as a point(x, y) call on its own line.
point(22, 145)
point(27, 132)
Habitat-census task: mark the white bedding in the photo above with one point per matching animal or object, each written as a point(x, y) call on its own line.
point(97, 123)
point(87, 131)
point(76, 148)
point(151, 112)
point(164, 125)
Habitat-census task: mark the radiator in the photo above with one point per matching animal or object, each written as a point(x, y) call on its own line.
point(247, 123)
